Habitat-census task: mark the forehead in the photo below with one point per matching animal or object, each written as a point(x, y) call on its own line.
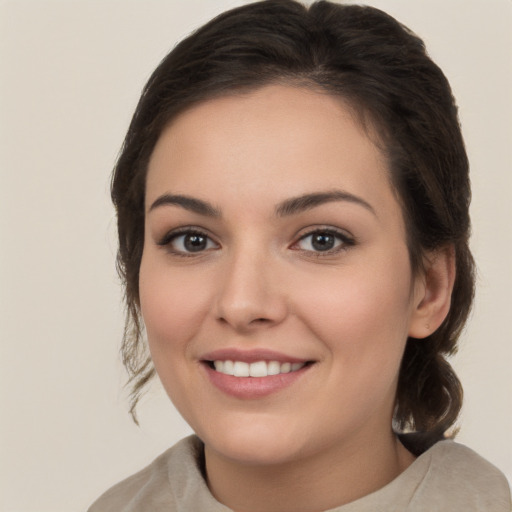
point(272, 143)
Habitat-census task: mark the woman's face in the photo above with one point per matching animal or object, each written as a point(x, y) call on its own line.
point(275, 247)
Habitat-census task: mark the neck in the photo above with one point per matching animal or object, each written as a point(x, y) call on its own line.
point(325, 481)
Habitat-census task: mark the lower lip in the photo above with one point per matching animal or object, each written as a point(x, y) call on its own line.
point(250, 388)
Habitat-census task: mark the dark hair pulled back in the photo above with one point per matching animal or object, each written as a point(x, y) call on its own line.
point(381, 69)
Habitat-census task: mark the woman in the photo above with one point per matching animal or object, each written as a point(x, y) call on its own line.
point(292, 200)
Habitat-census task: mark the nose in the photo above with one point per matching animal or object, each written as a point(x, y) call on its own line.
point(250, 294)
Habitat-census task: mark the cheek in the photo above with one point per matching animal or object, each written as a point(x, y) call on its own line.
point(362, 312)
point(172, 307)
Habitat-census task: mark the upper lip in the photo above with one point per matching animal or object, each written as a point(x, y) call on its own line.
point(250, 356)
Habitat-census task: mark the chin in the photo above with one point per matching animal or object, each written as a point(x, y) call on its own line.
point(255, 443)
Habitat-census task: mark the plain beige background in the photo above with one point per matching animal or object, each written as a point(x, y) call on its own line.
point(71, 72)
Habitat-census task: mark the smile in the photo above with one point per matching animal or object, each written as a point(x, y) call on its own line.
point(253, 374)
point(256, 369)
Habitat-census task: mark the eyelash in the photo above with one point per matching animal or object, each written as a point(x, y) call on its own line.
point(345, 241)
point(170, 237)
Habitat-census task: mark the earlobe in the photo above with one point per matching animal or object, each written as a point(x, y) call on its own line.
point(433, 292)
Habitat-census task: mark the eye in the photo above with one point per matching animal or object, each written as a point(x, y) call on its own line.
point(188, 242)
point(324, 240)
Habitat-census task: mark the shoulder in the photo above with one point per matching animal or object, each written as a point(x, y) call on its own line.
point(461, 479)
point(153, 487)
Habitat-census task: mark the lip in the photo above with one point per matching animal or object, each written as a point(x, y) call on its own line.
point(252, 388)
point(250, 356)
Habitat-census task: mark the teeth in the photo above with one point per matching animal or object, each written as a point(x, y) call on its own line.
point(229, 368)
point(257, 369)
point(286, 367)
point(273, 368)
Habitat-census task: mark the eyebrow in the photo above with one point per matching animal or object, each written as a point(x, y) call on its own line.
point(288, 207)
point(305, 202)
point(188, 203)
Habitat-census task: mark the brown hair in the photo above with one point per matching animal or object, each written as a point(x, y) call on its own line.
point(382, 70)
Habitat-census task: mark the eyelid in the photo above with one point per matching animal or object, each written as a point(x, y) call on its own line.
point(347, 240)
point(166, 240)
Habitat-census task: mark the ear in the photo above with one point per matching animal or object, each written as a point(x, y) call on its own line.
point(432, 293)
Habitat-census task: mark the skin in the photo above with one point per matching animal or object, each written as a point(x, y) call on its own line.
point(326, 439)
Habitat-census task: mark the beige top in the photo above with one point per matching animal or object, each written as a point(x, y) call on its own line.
point(448, 477)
